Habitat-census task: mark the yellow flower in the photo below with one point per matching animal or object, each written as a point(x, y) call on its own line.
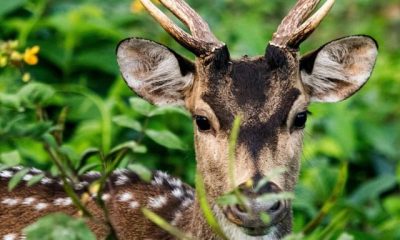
point(30, 55)
point(26, 77)
point(136, 6)
point(15, 56)
point(13, 44)
point(3, 61)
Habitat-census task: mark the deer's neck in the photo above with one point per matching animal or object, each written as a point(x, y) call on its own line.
point(193, 222)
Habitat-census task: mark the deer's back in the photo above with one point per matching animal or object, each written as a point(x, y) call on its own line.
point(124, 196)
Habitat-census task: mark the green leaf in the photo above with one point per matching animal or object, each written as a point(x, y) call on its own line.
point(34, 94)
point(88, 167)
point(9, 6)
point(59, 226)
point(276, 196)
point(166, 139)
point(345, 236)
point(141, 106)
point(162, 223)
point(10, 158)
point(16, 179)
point(205, 207)
point(86, 155)
point(10, 101)
point(228, 199)
point(372, 189)
point(265, 218)
point(35, 179)
point(125, 121)
point(50, 140)
point(131, 145)
point(144, 173)
point(36, 130)
point(168, 109)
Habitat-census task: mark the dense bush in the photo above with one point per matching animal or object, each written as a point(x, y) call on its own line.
point(75, 93)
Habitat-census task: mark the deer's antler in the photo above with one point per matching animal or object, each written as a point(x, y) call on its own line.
point(296, 26)
point(201, 42)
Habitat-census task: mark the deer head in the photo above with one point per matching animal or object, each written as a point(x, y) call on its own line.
point(270, 92)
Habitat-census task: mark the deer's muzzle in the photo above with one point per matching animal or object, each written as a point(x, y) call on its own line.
point(249, 215)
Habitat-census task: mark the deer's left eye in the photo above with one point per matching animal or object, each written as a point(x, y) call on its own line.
point(300, 120)
point(202, 123)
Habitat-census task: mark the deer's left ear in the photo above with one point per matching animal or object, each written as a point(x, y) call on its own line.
point(155, 72)
point(338, 69)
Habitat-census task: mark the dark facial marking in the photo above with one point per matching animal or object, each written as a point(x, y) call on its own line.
point(276, 58)
point(253, 87)
point(259, 134)
point(245, 77)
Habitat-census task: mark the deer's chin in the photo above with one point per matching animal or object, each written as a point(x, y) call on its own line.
point(236, 231)
point(258, 231)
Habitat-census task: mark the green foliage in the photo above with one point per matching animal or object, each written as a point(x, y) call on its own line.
point(77, 111)
point(59, 226)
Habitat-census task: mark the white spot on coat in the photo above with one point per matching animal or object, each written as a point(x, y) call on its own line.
point(125, 197)
point(105, 197)
point(41, 206)
point(121, 180)
point(35, 171)
point(157, 202)
point(177, 192)
point(6, 174)
point(81, 185)
point(157, 181)
point(177, 216)
point(134, 204)
point(187, 202)
point(63, 201)
point(93, 174)
point(10, 236)
point(10, 201)
point(175, 182)
point(28, 201)
point(46, 180)
point(27, 177)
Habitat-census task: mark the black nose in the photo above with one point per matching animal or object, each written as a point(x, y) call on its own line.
point(248, 216)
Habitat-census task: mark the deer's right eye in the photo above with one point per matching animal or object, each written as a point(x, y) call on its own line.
point(202, 123)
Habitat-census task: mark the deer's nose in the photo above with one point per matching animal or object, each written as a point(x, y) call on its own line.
point(248, 215)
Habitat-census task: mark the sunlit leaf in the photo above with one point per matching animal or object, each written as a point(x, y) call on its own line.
point(166, 139)
point(10, 158)
point(16, 179)
point(125, 121)
point(35, 179)
point(8, 6)
point(265, 218)
point(144, 173)
point(228, 199)
point(168, 109)
point(141, 106)
point(34, 94)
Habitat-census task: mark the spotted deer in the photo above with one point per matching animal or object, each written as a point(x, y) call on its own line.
point(270, 92)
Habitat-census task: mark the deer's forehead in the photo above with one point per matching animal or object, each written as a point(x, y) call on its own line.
point(254, 90)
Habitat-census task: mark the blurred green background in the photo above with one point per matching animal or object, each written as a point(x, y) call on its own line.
point(76, 91)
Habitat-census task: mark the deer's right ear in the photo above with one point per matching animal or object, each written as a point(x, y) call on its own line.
point(155, 72)
point(338, 69)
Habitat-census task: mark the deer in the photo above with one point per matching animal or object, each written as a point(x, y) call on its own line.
point(271, 94)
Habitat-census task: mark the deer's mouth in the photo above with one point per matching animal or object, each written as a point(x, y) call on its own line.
point(250, 222)
point(257, 231)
